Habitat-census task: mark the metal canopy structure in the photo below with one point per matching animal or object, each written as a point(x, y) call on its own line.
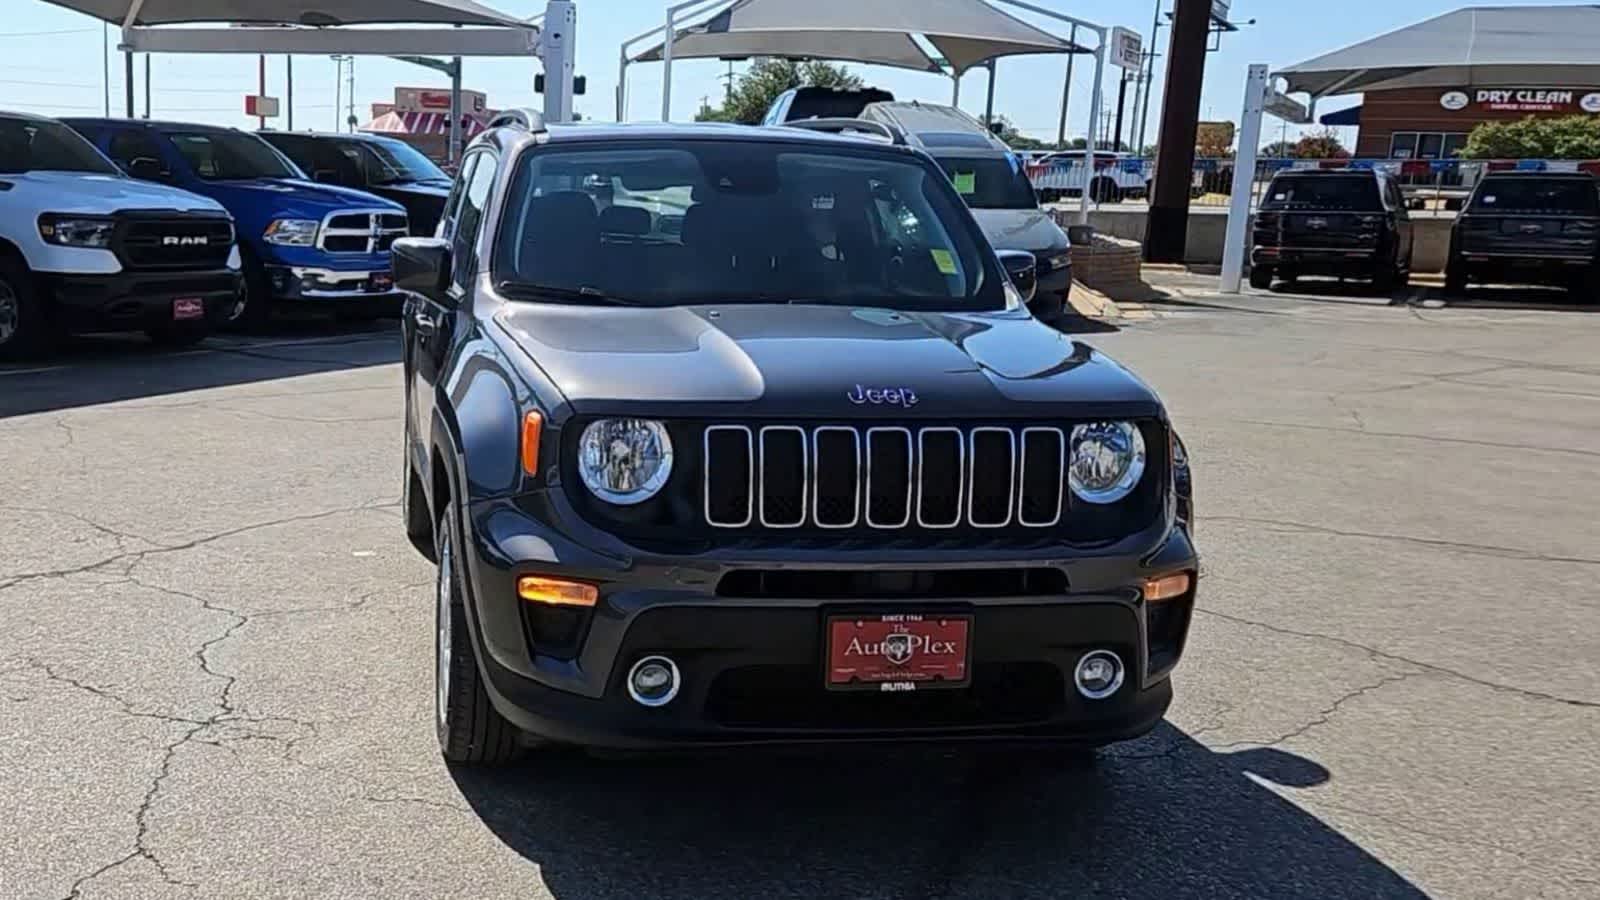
point(965, 34)
point(323, 27)
point(1502, 46)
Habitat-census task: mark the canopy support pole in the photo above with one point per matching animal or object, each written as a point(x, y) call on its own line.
point(622, 89)
point(127, 77)
point(988, 107)
point(955, 95)
point(666, 65)
point(1066, 92)
point(1094, 117)
point(1244, 170)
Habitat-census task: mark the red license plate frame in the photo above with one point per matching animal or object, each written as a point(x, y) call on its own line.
point(892, 652)
point(187, 309)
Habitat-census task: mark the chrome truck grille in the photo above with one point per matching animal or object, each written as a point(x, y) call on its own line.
point(836, 477)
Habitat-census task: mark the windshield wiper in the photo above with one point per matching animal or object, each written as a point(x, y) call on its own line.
point(591, 295)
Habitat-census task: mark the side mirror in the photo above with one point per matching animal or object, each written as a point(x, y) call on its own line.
point(1023, 271)
point(422, 266)
point(146, 169)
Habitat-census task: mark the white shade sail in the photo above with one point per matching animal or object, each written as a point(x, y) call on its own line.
point(1502, 46)
point(293, 12)
point(965, 33)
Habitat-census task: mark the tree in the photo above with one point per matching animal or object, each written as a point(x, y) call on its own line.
point(761, 84)
point(1006, 131)
point(1278, 149)
point(1321, 144)
point(1573, 137)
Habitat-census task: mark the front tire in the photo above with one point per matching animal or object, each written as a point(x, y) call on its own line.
point(24, 330)
point(1261, 278)
point(252, 310)
point(1455, 277)
point(470, 730)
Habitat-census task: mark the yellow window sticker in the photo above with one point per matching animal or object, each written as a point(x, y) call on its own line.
point(966, 182)
point(945, 260)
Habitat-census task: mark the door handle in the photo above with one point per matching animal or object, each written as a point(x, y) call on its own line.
point(425, 324)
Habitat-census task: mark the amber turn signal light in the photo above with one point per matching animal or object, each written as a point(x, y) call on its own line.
point(556, 592)
point(1167, 587)
point(532, 427)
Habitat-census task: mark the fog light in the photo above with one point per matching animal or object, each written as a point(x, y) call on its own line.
point(1098, 675)
point(653, 681)
point(1167, 587)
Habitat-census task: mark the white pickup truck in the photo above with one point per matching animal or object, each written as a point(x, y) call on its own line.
point(85, 248)
point(1116, 176)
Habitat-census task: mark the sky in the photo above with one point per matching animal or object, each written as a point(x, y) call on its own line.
point(51, 63)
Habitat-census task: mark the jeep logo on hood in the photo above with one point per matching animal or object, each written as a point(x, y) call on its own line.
point(863, 396)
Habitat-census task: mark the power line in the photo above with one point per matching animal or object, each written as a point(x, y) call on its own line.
point(27, 34)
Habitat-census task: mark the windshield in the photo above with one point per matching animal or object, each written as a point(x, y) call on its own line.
point(1565, 195)
point(990, 183)
point(28, 145)
point(1358, 193)
point(391, 162)
point(684, 222)
point(228, 155)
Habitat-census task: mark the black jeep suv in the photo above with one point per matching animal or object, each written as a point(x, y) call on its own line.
point(1340, 222)
point(1533, 228)
point(733, 436)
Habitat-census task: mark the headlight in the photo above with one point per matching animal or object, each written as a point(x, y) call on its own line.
point(1107, 461)
point(292, 232)
point(1061, 261)
point(625, 461)
point(76, 231)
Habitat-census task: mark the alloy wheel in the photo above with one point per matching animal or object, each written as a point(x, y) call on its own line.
point(445, 594)
point(10, 312)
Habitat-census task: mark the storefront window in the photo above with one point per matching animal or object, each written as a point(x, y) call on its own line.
point(1403, 145)
point(1412, 145)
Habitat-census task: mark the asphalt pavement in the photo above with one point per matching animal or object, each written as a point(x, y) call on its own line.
point(216, 675)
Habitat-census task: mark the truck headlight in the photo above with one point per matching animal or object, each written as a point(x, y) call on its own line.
point(292, 232)
point(1107, 461)
point(76, 231)
point(625, 461)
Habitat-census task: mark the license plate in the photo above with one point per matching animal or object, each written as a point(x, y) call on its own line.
point(899, 652)
point(380, 282)
point(188, 308)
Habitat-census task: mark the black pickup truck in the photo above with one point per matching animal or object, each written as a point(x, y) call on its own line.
point(1536, 228)
point(1341, 222)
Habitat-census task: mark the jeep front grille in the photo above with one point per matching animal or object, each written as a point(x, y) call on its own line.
point(836, 477)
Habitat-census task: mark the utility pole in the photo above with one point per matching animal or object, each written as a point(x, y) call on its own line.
point(261, 91)
point(350, 94)
point(288, 64)
point(147, 85)
point(1150, 77)
point(127, 78)
point(1166, 234)
point(105, 63)
point(1122, 103)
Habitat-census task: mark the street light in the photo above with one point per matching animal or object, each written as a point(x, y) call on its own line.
point(339, 59)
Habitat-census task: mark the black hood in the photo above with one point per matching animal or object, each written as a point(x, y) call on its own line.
point(436, 190)
point(829, 362)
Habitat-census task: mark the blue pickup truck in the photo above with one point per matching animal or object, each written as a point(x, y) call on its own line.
point(302, 243)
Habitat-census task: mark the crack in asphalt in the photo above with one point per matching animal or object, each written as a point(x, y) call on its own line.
point(1323, 716)
point(117, 535)
point(159, 549)
point(1397, 658)
point(1430, 438)
point(127, 707)
point(1478, 549)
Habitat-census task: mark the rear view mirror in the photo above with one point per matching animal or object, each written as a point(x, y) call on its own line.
point(422, 266)
point(146, 169)
point(1023, 271)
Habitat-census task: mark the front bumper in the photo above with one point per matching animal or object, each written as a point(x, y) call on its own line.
point(1359, 261)
point(1050, 298)
point(753, 667)
point(316, 284)
point(137, 300)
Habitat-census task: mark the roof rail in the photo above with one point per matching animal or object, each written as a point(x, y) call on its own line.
point(859, 126)
point(521, 117)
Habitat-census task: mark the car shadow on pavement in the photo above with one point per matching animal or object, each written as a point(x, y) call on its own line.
point(1160, 817)
point(1518, 298)
point(93, 369)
